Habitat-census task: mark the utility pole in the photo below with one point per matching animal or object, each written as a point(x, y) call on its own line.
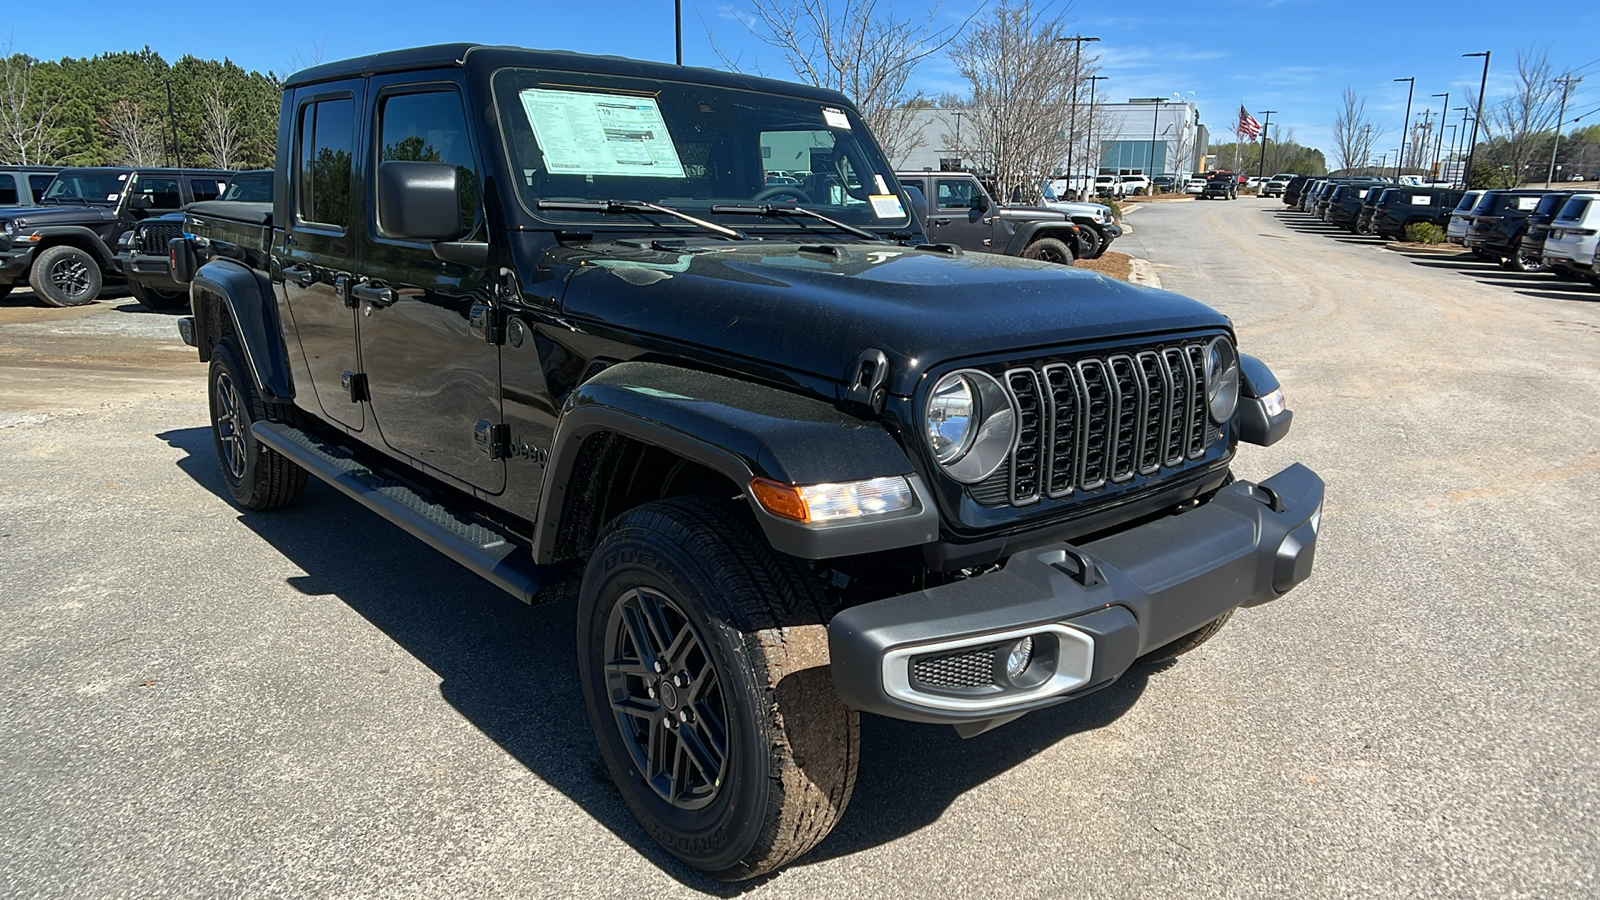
point(1444, 113)
point(1077, 42)
point(677, 25)
point(1472, 147)
point(959, 153)
point(1262, 168)
point(1462, 134)
point(1399, 157)
point(1566, 91)
point(172, 125)
point(1090, 148)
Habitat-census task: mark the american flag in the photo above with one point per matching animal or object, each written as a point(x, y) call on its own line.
point(1248, 126)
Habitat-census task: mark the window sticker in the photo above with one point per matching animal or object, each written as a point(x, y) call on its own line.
point(601, 134)
point(1527, 203)
point(112, 196)
point(835, 118)
point(123, 177)
point(887, 206)
point(1421, 200)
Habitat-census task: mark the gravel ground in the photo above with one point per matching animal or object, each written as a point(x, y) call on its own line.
point(198, 702)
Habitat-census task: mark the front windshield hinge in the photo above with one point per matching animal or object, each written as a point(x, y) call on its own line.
point(864, 384)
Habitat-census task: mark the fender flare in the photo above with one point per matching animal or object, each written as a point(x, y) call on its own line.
point(80, 235)
point(744, 431)
point(1026, 233)
point(227, 287)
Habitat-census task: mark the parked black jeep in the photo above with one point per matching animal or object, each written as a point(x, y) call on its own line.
point(1217, 189)
point(62, 247)
point(25, 185)
point(800, 462)
point(955, 208)
point(142, 250)
point(1344, 204)
point(1403, 206)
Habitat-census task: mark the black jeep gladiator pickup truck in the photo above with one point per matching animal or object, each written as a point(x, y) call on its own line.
point(543, 312)
point(142, 252)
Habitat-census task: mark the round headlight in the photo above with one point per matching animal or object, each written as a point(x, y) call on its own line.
point(970, 425)
point(9, 227)
point(1222, 379)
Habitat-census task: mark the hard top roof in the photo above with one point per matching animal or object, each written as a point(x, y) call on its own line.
point(153, 170)
point(494, 57)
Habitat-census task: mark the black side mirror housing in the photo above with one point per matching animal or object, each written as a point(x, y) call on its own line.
point(419, 201)
point(182, 259)
point(980, 202)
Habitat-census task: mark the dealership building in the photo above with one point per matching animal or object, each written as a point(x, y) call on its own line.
point(1140, 137)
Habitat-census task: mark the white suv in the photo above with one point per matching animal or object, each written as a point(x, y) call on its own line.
point(1575, 236)
point(1108, 186)
point(1135, 185)
point(1456, 229)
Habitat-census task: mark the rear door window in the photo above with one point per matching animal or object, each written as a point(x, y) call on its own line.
point(39, 184)
point(1574, 209)
point(8, 190)
point(154, 192)
point(322, 167)
point(205, 188)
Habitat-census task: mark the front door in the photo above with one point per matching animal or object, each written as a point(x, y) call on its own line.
point(319, 248)
point(433, 377)
point(956, 217)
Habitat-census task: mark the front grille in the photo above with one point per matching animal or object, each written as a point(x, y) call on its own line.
point(969, 668)
point(1101, 420)
point(153, 238)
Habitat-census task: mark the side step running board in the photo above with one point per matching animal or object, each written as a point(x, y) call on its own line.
point(487, 552)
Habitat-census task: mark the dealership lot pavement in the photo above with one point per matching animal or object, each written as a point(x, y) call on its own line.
point(196, 702)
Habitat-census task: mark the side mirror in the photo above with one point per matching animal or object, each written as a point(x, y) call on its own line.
point(419, 201)
point(919, 203)
point(980, 202)
point(182, 259)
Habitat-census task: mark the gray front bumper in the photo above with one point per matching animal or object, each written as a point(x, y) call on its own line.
point(1094, 608)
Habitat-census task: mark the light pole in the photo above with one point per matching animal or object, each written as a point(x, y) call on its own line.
point(959, 114)
point(1566, 90)
point(172, 125)
point(1462, 134)
point(1089, 144)
point(1472, 147)
point(1444, 113)
point(677, 26)
point(1399, 157)
point(1452, 127)
point(1155, 121)
point(1077, 42)
point(1262, 168)
point(1366, 148)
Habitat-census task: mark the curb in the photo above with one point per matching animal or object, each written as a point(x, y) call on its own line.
point(1143, 271)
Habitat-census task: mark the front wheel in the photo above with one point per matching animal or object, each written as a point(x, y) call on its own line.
point(1189, 641)
point(158, 299)
point(703, 658)
point(65, 276)
point(1049, 250)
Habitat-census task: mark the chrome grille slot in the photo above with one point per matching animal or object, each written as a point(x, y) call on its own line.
point(1028, 459)
point(1093, 422)
point(1156, 411)
point(1099, 423)
point(1129, 399)
point(1066, 428)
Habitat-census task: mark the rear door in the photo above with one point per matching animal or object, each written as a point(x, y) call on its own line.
point(433, 376)
point(319, 248)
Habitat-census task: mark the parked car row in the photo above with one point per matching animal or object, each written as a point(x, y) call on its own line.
point(1525, 229)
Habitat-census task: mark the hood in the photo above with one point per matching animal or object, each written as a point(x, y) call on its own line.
point(44, 216)
point(815, 308)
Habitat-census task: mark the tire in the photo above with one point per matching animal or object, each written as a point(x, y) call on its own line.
point(1090, 245)
point(1188, 642)
point(1562, 273)
point(1521, 263)
point(5, 290)
point(1049, 250)
point(745, 643)
point(257, 476)
point(65, 276)
point(157, 299)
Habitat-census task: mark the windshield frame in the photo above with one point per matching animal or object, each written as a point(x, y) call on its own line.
point(505, 84)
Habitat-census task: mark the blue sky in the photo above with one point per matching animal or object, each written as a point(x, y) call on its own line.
point(1295, 56)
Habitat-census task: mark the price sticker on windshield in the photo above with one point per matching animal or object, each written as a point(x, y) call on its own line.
point(835, 118)
point(887, 206)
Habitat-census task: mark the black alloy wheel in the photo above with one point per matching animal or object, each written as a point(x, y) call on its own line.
point(1049, 250)
point(666, 698)
point(257, 476)
point(1521, 261)
point(65, 276)
point(232, 427)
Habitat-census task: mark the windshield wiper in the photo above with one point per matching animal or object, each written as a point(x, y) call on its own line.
point(770, 211)
point(639, 206)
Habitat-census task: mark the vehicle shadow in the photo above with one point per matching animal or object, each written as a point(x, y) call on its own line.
point(510, 670)
point(1531, 284)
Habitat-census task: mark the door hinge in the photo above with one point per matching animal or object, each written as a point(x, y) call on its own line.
point(492, 439)
point(488, 323)
point(355, 385)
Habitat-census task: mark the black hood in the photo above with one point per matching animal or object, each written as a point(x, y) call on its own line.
point(62, 214)
point(815, 310)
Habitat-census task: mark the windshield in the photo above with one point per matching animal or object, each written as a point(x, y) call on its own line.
point(98, 186)
point(255, 187)
point(592, 137)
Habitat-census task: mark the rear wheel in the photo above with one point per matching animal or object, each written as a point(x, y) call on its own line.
point(1523, 262)
point(258, 477)
point(703, 659)
point(1049, 250)
point(65, 276)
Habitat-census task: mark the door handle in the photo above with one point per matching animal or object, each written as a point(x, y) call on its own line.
point(941, 221)
point(377, 296)
point(300, 275)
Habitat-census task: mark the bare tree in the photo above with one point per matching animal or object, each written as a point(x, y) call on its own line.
point(1353, 133)
point(856, 47)
point(1018, 112)
point(219, 128)
point(1516, 126)
point(137, 138)
point(28, 113)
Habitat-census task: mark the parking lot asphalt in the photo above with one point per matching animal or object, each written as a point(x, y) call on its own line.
point(199, 702)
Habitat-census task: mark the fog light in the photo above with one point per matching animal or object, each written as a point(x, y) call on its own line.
point(1021, 654)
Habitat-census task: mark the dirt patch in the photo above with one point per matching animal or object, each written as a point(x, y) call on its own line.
point(1111, 263)
point(1419, 247)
